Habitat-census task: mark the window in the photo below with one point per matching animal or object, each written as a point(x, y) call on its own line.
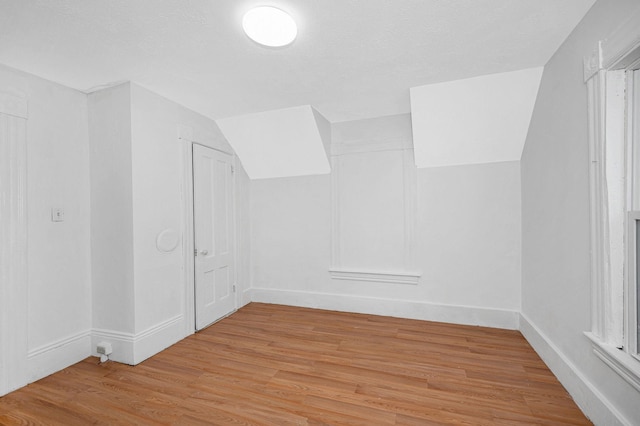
point(613, 83)
point(633, 215)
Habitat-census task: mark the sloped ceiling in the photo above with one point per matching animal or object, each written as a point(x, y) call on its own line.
point(352, 59)
point(477, 120)
point(278, 143)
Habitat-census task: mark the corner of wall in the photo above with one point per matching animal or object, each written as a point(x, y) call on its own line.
point(132, 349)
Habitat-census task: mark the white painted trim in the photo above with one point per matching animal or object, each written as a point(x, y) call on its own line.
point(58, 343)
point(113, 334)
point(366, 145)
point(480, 163)
point(410, 183)
point(597, 197)
point(592, 63)
point(57, 355)
point(606, 71)
point(335, 215)
point(229, 153)
point(236, 245)
point(154, 339)
point(394, 277)
point(121, 342)
point(625, 365)
point(607, 202)
point(615, 176)
point(133, 348)
point(455, 314)
point(13, 244)
point(157, 328)
point(246, 296)
point(622, 47)
point(587, 396)
point(619, 50)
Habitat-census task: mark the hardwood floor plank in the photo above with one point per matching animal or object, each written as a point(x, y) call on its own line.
point(281, 365)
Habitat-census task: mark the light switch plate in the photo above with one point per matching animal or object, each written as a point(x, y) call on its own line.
point(57, 214)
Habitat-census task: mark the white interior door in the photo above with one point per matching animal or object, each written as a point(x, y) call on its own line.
point(214, 236)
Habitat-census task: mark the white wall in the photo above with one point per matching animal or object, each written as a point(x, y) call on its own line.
point(114, 163)
point(468, 226)
point(555, 190)
point(158, 194)
point(469, 234)
point(59, 275)
point(111, 209)
point(140, 189)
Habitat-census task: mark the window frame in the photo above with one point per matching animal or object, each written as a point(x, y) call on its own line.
point(632, 301)
point(614, 148)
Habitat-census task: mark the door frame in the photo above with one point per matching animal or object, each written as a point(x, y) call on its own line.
point(186, 140)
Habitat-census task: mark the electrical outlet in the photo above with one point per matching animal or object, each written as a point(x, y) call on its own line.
point(57, 214)
point(104, 348)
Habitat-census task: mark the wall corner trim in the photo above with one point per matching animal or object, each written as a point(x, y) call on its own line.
point(590, 400)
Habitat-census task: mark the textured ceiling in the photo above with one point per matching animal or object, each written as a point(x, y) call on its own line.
point(352, 58)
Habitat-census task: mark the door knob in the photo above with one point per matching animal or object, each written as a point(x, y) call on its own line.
point(204, 252)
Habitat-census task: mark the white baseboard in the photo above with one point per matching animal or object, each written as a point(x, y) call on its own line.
point(157, 338)
point(245, 298)
point(121, 343)
point(60, 354)
point(466, 315)
point(132, 349)
point(590, 400)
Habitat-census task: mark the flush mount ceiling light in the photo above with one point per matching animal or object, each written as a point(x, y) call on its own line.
point(269, 26)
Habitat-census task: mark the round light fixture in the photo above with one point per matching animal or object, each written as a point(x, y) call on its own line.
point(269, 26)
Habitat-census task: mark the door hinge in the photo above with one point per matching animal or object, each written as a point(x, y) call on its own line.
point(195, 252)
point(234, 288)
point(233, 169)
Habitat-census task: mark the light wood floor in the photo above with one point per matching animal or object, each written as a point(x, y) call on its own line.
point(279, 365)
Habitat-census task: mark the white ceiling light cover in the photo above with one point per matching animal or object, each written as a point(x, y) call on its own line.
point(269, 26)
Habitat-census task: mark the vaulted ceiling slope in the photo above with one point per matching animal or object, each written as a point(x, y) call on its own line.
point(476, 120)
point(280, 143)
point(352, 59)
